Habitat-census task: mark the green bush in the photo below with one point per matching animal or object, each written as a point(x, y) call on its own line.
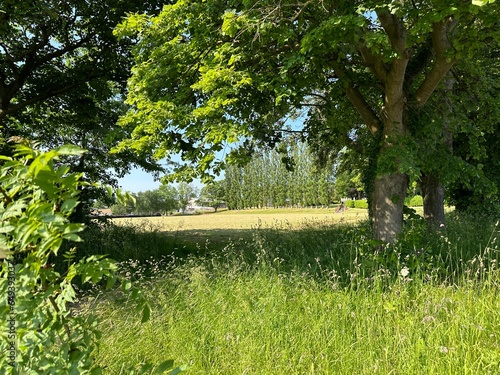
point(349, 204)
point(43, 335)
point(356, 204)
point(416, 201)
point(361, 204)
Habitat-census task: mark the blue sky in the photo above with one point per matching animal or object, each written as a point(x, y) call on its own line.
point(137, 181)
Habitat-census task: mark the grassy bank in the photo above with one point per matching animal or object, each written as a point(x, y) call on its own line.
point(316, 300)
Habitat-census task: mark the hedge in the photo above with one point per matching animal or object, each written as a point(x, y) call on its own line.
point(356, 204)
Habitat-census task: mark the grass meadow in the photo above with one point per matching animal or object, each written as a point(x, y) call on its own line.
point(301, 292)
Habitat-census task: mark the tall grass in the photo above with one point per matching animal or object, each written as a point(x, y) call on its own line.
point(323, 300)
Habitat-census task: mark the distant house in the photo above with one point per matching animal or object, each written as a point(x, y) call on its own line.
point(101, 212)
point(194, 205)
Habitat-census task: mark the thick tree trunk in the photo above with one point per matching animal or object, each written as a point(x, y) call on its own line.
point(391, 184)
point(433, 194)
point(388, 201)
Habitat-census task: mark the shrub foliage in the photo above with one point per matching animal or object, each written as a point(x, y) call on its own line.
point(43, 332)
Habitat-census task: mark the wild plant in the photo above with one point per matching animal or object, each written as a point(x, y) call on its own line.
point(41, 333)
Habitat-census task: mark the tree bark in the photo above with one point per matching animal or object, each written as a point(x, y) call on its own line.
point(388, 202)
point(433, 191)
point(433, 195)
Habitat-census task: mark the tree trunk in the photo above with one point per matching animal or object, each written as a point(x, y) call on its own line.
point(388, 201)
point(430, 182)
point(433, 194)
point(390, 184)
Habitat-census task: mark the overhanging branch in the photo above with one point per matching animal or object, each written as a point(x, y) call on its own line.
point(373, 62)
point(49, 94)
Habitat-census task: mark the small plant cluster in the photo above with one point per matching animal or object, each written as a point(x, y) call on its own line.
point(43, 332)
point(415, 201)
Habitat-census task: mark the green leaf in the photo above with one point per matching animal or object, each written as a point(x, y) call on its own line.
point(73, 228)
point(146, 367)
point(127, 285)
point(51, 244)
point(7, 228)
point(96, 371)
point(49, 217)
point(70, 150)
point(164, 366)
point(69, 205)
point(178, 370)
point(72, 237)
point(482, 2)
point(229, 25)
point(109, 190)
point(110, 282)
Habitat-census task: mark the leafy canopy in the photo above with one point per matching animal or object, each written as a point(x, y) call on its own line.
point(217, 73)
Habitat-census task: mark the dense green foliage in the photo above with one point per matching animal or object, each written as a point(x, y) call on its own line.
point(162, 201)
point(42, 329)
point(359, 203)
point(209, 74)
point(267, 182)
point(213, 195)
point(62, 81)
point(416, 201)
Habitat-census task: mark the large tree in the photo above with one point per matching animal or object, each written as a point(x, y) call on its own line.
point(213, 195)
point(63, 76)
point(210, 73)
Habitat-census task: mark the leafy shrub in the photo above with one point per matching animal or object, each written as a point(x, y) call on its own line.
point(416, 201)
point(349, 204)
point(360, 204)
point(356, 204)
point(37, 196)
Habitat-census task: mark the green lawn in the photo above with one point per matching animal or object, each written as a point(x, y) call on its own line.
point(315, 300)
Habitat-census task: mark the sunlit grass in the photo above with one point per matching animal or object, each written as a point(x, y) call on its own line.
point(264, 324)
point(248, 219)
point(317, 300)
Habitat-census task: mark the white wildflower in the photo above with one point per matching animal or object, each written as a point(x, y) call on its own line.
point(404, 271)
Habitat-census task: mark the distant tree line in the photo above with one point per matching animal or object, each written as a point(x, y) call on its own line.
point(162, 201)
point(286, 177)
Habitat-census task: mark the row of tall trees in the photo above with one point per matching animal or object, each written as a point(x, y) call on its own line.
point(283, 178)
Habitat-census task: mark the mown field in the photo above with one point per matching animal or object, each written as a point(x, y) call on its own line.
point(249, 219)
point(304, 292)
point(221, 227)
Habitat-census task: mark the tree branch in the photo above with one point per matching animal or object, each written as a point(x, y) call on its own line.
point(62, 51)
point(418, 63)
point(49, 94)
point(356, 98)
point(443, 63)
point(374, 62)
point(394, 29)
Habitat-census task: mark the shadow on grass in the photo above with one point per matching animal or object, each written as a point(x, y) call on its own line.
point(337, 253)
